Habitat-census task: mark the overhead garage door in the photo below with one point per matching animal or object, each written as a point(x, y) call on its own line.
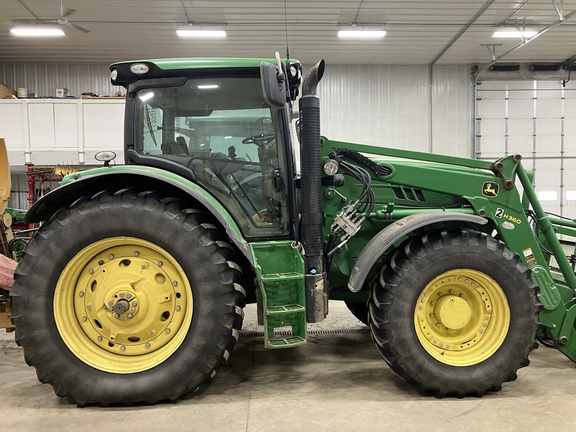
point(536, 119)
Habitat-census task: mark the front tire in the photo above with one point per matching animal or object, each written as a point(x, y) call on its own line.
point(127, 297)
point(454, 313)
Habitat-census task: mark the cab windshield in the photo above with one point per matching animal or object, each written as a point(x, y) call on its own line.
point(223, 130)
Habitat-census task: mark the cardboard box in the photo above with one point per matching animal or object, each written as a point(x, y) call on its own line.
point(6, 92)
point(61, 92)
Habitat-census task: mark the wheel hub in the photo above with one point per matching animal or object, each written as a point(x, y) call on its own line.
point(125, 308)
point(453, 312)
point(131, 299)
point(454, 317)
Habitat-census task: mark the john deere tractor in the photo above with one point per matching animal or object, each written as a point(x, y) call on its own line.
point(133, 289)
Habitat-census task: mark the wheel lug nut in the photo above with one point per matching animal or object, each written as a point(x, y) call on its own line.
point(134, 303)
point(91, 271)
point(88, 307)
point(147, 345)
point(177, 308)
point(99, 338)
point(111, 256)
point(130, 315)
point(174, 283)
point(152, 333)
point(144, 266)
point(84, 318)
point(136, 253)
point(123, 348)
point(128, 296)
point(116, 315)
point(81, 293)
point(100, 262)
point(121, 294)
point(167, 330)
point(160, 263)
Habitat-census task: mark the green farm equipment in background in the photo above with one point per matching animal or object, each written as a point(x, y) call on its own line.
point(133, 288)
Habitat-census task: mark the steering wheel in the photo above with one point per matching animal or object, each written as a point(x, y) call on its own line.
point(259, 140)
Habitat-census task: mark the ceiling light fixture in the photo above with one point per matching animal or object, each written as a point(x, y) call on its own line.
point(36, 31)
point(513, 32)
point(361, 31)
point(202, 30)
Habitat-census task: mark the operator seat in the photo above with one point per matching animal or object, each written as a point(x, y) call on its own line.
point(178, 147)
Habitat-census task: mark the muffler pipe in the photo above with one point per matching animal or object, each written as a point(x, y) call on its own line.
point(311, 197)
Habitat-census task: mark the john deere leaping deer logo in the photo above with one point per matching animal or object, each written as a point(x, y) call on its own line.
point(490, 189)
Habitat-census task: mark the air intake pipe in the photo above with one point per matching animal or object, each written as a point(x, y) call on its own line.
point(311, 197)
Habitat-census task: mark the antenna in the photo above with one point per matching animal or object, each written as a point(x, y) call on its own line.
point(286, 29)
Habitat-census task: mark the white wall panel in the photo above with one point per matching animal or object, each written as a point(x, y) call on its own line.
point(66, 125)
point(41, 122)
point(14, 125)
point(44, 79)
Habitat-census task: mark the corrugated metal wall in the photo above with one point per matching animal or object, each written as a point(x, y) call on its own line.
point(452, 101)
point(389, 106)
point(381, 105)
point(44, 79)
point(18, 192)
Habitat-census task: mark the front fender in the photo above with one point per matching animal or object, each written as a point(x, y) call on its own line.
point(394, 232)
point(92, 181)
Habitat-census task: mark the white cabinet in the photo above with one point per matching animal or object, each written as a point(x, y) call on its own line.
point(61, 131)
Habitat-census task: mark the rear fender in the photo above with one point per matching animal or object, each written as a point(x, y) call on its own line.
point(394, 232)
point(90, 182)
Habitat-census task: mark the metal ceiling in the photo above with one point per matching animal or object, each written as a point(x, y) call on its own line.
point(419, 31)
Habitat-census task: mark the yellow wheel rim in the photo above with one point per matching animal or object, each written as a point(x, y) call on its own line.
point(123, 305)
point(462, 317)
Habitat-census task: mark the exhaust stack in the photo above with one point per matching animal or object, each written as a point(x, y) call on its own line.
point(311, 197)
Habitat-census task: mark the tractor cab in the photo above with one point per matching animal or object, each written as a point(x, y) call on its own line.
point(215, 128)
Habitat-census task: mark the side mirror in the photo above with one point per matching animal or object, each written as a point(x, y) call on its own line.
point(273, 85)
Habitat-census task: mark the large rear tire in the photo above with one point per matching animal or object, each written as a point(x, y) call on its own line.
point(127, 297)
point(454, 313)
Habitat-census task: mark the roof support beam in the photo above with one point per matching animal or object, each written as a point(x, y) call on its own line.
point(525, 42)
point(462, 31)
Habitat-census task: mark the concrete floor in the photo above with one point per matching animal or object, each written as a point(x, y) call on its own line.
point(337, 382)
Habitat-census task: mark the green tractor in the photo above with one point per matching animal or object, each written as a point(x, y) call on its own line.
point(133, 288)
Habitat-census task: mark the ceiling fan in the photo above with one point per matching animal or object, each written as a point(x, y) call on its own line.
point(61, 20)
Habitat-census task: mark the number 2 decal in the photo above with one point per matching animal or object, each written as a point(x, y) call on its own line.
point(499, 213)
